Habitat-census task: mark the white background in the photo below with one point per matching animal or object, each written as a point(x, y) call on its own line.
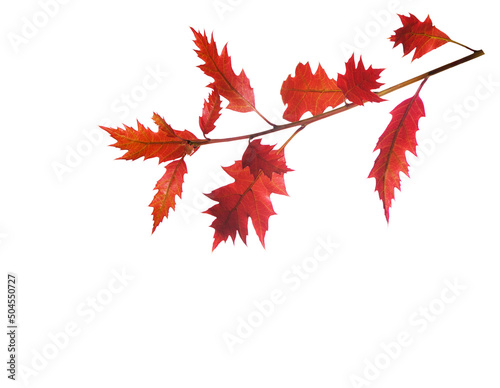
point(67, 236)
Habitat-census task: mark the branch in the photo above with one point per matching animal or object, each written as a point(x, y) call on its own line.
point(303, 123)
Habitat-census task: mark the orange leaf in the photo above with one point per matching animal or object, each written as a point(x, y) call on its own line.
point(308, 92)
point(166, 144)
point(162, 125)
point(398, 138)
point(169, 186)
point(421, 36)
point(357, 82)
point(235, 88)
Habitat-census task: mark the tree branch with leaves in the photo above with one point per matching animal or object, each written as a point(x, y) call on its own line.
point(262, 168)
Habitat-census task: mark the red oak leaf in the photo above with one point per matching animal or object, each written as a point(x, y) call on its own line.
point(166, 144)
point(169, 186)
point(357, 82)
point(162, 125)
point(235, 88)
point(421, 36)
point(211, 112)
point(308, 92)
point(247, 197)
point(399, 137)
point(262, 157)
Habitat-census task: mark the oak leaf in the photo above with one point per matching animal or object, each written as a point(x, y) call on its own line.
point(235, 88)
point(247, 197)
point(421, 36)
point(166, 144)
point(357, 82)
point(169, 186)
point(399, 137)
point(262, 157)
point(211, 112)
point(162, 124)
point(308, 92)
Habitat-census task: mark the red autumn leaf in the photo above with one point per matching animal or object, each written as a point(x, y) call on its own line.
point(247, 197)
point(357, 82)
point(262, 157)
point(308, 92)
point(235, 88)
point(211, 112)
point(162, 124)
point(169, 186)
point(166, 144)
point(399, 137)
point(421, 36)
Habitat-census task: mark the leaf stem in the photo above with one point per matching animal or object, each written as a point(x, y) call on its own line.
point(263, 118)
point(463, 45)
point(290, 138)
point(303, 123)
